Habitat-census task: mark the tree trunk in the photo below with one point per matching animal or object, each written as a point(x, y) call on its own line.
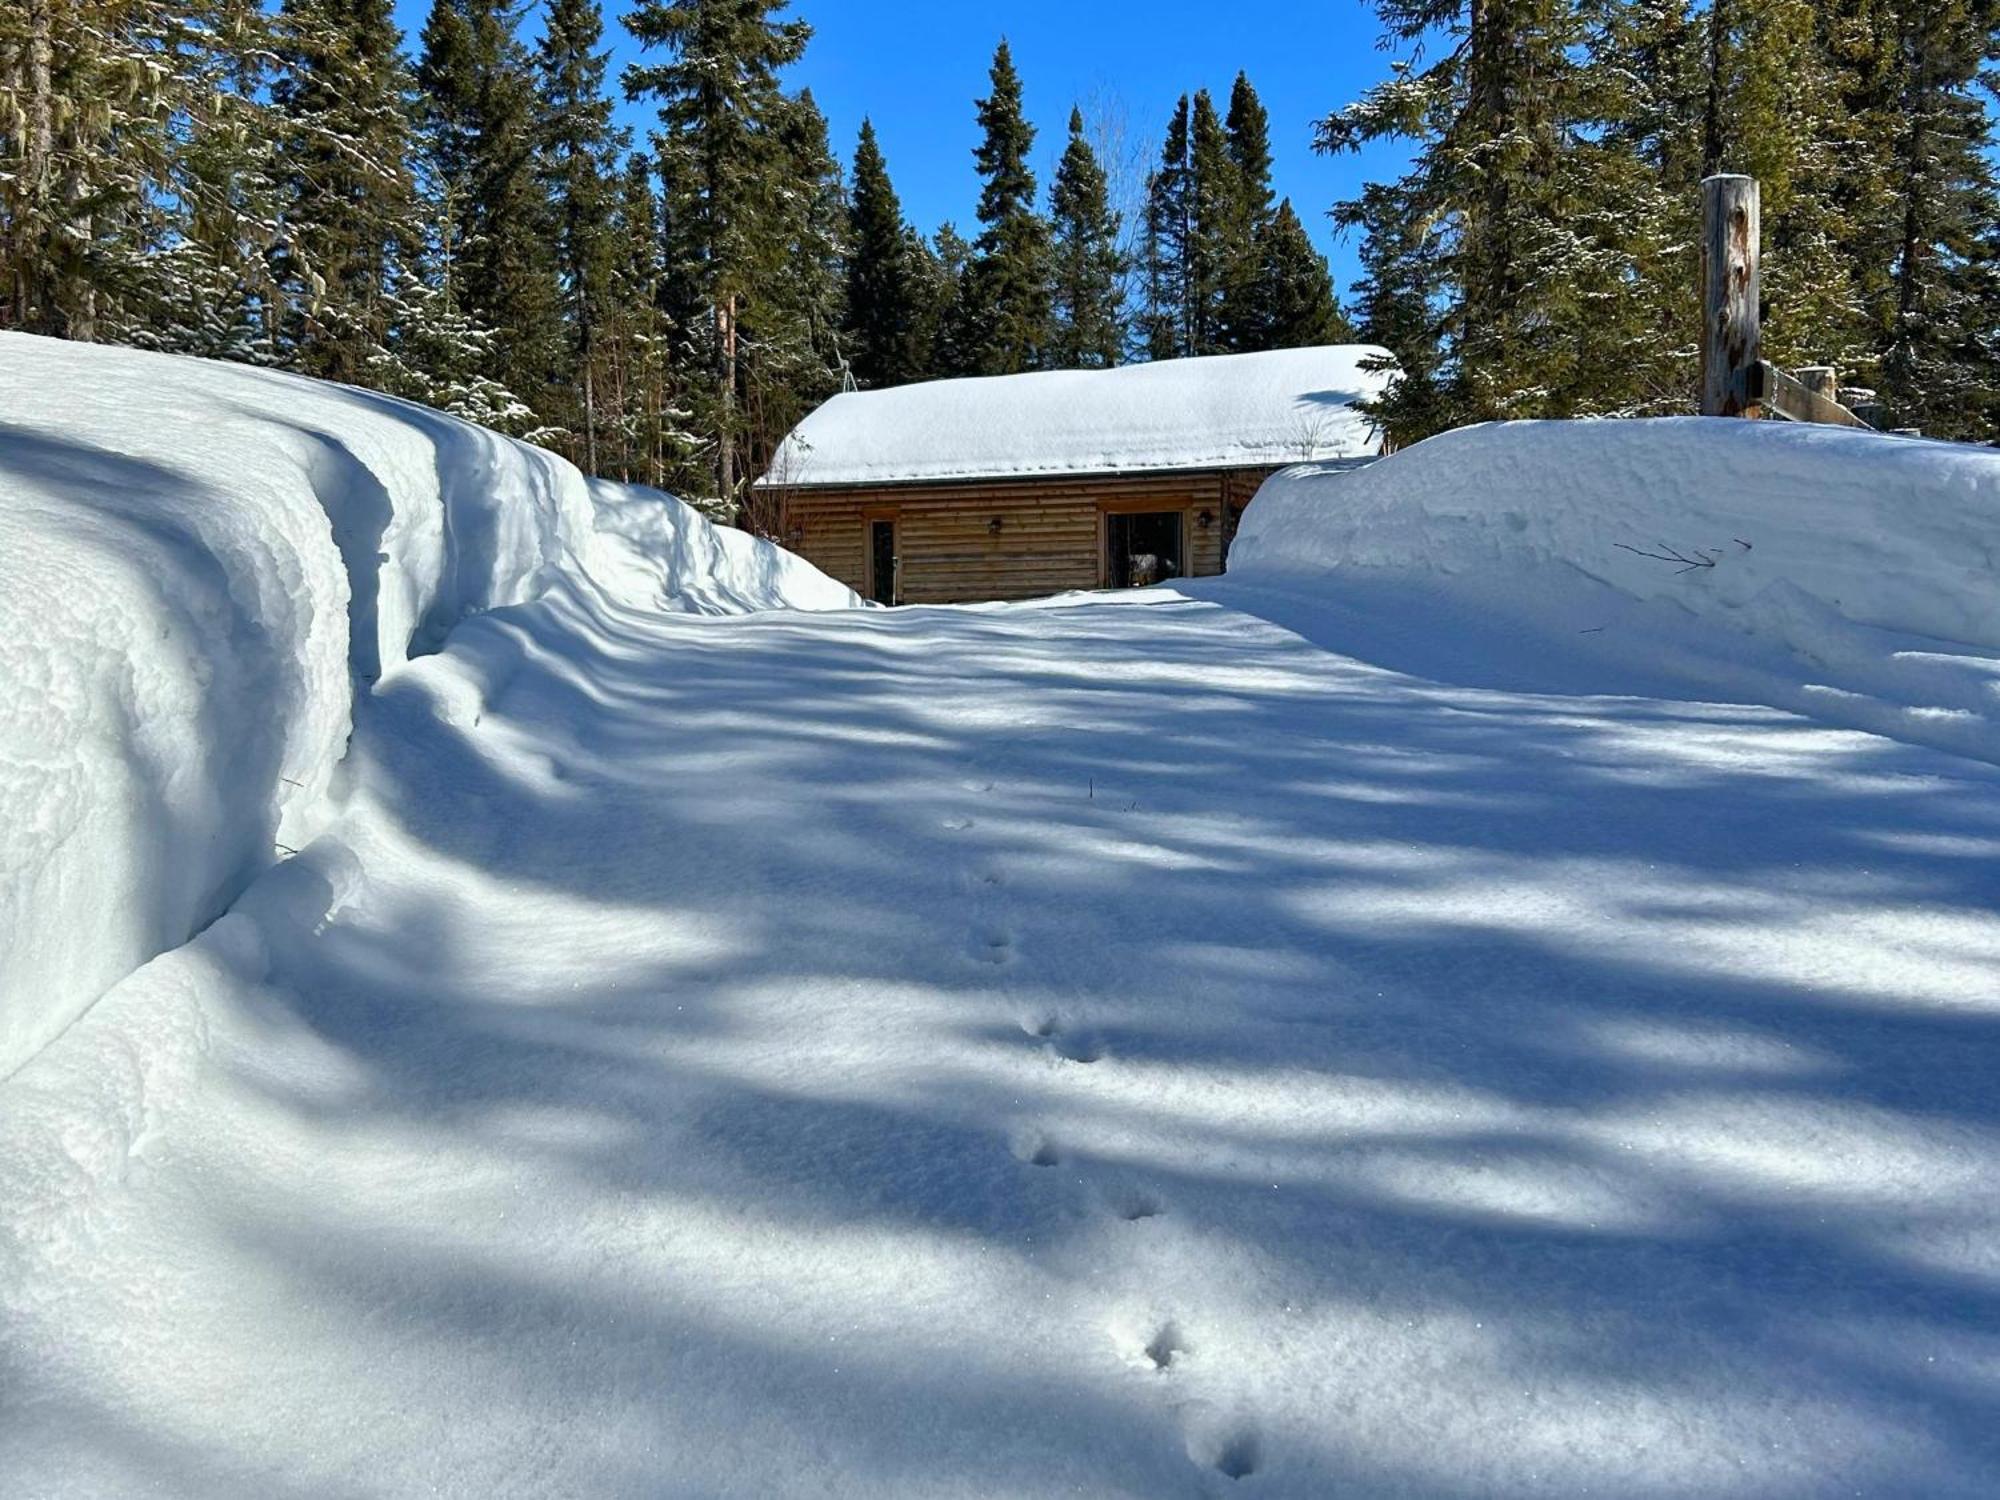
point(725, 456)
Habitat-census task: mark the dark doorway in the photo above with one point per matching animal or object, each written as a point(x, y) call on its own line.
point(1143, 547)
point(882, 561)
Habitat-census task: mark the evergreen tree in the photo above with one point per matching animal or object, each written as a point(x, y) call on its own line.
point(1403, 307)
point(884, 311)
point(484, 169)
point(1198, 239)
point(719, 152)
point(791, 325)
point(1941, 360)
point(344, 156)
point(1167, 245)
point(1246, 319)
point(580, 151)
point(1497, 118)
point(1089, 289)
point(1006, 305)
point(950, 271)
point(1293, 305)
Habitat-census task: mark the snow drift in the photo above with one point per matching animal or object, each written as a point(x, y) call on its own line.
point(1860, 568)
point(201, 565)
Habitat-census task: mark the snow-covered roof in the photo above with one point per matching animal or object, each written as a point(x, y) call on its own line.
point(1223, 411)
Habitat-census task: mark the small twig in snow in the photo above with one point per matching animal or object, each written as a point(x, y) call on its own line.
point(1667, 554)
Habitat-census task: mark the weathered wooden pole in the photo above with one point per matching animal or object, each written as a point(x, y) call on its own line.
point(1821, 380)
point(1731, 338)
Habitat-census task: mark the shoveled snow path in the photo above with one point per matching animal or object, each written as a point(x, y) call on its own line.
point(1096, 1048)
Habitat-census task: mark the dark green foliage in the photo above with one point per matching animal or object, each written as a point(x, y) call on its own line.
point(1004, 305)
point(579, 164)
point(1089, 291)
point(1293, 307)
point(886, 333)
point(722, 148)
point(495, 231)
point(344, 165)
point(1560, 148)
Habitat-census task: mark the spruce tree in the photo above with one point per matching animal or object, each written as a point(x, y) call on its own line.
point(1166, 245)
point(792, 322)
point(484, 171)
point(883, 303)
point(719, 116)
point(1246, 319)
point(1006, 306)
point(1941, 357)
point(580, 152)
point(1220, 246)
point(1496, 118)
point(1089, 285)
point(344, 164)
point(1293, 302)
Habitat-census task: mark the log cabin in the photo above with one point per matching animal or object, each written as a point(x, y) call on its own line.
point(1016, 486)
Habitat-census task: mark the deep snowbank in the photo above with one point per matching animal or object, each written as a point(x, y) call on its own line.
point(1862, 568)
point(200, 566)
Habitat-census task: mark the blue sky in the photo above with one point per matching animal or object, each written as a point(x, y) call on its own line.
point(916, 69)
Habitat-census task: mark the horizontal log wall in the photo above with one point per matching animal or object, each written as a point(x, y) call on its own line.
point(1050, 537)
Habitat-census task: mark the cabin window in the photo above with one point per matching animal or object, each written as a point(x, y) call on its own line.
point(1144, 547)
point(882, 561)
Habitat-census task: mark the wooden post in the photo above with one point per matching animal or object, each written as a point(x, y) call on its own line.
point(1821, 380)
point(1731, 339)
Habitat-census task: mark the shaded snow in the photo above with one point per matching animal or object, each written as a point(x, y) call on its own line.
point(1853, 576)
point(1221, 411)
point(200, 566)
point(1303, 1037)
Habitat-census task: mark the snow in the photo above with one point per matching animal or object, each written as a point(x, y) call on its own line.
point(1319, 1032)
point(200, 566)
point(1221, 411)
point(1853, 575)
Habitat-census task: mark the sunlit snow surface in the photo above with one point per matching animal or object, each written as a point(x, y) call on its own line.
point(1193, 1043)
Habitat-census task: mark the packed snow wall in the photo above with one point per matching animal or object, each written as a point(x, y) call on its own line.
point(201, 565)
point(1862, 569)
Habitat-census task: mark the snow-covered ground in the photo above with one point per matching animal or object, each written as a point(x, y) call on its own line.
point(1305, 1034)
point(200, 566)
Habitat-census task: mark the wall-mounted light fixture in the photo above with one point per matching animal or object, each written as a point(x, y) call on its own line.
point(1205, 519)
point(993, 526)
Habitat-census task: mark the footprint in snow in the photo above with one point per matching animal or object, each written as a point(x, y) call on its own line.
point(993, 945)
point(1134, 1204)
point(1035, 1149)
point(1165, 1345)
point(1229, 1447)
point(958, 825)
point(1064, 1044)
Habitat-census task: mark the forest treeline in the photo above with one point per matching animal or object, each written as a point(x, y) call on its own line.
point(460, 218)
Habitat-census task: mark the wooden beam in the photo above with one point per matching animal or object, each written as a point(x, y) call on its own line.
point(1769, 390)
point(1731, 334)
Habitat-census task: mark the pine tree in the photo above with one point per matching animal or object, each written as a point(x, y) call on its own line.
point(1941, 360)
point(484, 168)
point(791, 325)
point(1246, 319)
point(343, 164)
point(580, 151)
point(1006, 306)
point(1198, 238)
point(950, 269)
point(1293, 303)
point(1497, 118)
point(883, 303)
point(1089, 286)
point(1167, 245)
point(1402, 303)
point(719, 108)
